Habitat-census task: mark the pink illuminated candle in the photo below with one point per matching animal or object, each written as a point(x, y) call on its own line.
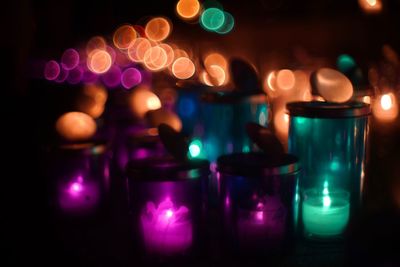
point(79, 196)
point(166, 230)
point(267, 221)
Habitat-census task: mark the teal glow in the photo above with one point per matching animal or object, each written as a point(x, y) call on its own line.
point(228, 24)
point(335, 165)
point(325, 216)
point(345, 63)
point(212, 19)
point(246, 149)
point(300, 120)
point(195, 148)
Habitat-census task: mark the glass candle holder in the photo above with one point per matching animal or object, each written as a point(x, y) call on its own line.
point(224, 117)
point(330, 141)
point(258, 202)
point(138, 143)
point(80, 179)
point(166, 200)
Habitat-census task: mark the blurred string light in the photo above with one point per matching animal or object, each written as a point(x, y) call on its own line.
point(285, 79)
point(142, 100)
point(131, 77)
point(281, 123)
point(51, 70)
point(371, 6)
point(75, 75)
point(345, 63)
point(188, 9)
point(99, 61)
point(155, 58)
point(216, 70)
point(169, 53)
point(138, 49)
point(112, 78)
point(124, 36)
point(62, 76)
point(183, 68)
point(215, 19)
point(76, 126)
point(96, 42)
point(158, 29)
point(385, 108)
point(195, 149)
point(92, 100)
point(70, 59)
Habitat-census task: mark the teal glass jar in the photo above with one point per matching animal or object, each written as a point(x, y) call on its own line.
point(224, 117)
point(330, 141)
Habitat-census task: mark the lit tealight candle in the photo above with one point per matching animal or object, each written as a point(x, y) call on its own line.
point(166, 230)
point(79, 196)
point(326, 213)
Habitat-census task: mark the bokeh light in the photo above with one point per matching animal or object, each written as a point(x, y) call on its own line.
point(270, 85)
point(158, 29)
point(159, 116)
point(183, 68)
point(138, 49)
point(75, 75)
point(385, 108)
point(155, 58)
point(51, 70)
point(212, 19)
point(92, 100)
point(96, 42)
point(333, 85)
point(112, 78)
point(130, 78)
point(195, 148)
point(345, 63)
point(228, 24)
point(169, 52)
point(285, 79)
point(124, 36)
point(99, 61)
point(215, 59)
point(142, 100)
point(281, 124)
point(76, 126)
point(62, 76)
point(70, 59)
point(188, 9)
point(371, 6)
point(214, 76)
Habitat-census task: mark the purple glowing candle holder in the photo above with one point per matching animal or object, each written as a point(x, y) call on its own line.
point(258, 202)
point(80, 179)
point(166, 200)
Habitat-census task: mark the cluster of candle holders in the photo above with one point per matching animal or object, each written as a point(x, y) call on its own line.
point(330, 141)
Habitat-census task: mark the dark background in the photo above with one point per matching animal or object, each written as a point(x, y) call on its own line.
point(265, 31)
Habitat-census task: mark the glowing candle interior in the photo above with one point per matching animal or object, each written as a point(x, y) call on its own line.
point(166, 230)
point(325, 215)
point(79, 196)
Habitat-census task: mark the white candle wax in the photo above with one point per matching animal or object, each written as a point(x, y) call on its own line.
point(326, 215)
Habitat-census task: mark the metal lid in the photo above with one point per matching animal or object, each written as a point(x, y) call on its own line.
point(257, 164)
point(316, 109)
point(233, 97)
point(96, 147)
point(166, 169)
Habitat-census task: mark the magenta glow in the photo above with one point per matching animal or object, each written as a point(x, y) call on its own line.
point(79, 197)
point(130, 78)
point(70, 59)
point(75, 75)
point(166, 230)
point(112, 78)
point(51, 70)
